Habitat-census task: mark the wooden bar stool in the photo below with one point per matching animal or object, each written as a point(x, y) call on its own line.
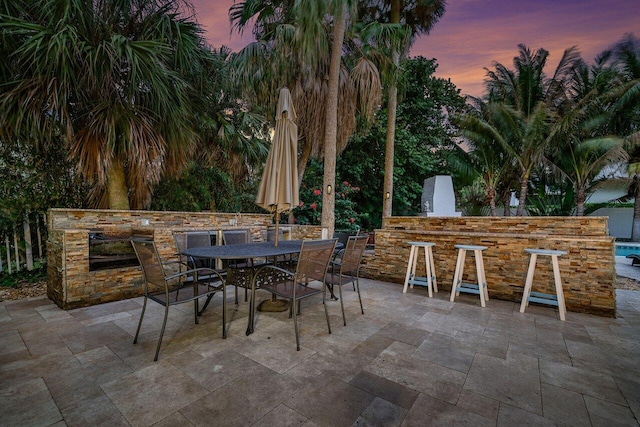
point(542, 298)
point(479, 288)
point(411, 279)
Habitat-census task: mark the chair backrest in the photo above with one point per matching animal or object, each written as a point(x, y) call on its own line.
point(343, 236)
point(314, 259)
point(180, 239)
point(271, 234)
point(235, 237)
point(197, 239)
point(149, 261)
point(353, 251)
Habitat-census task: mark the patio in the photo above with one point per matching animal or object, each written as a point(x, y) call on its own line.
point(410, 360)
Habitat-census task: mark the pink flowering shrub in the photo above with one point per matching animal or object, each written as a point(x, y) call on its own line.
point(309, 211)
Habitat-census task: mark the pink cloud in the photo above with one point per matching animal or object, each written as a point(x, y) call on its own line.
point(472, 33)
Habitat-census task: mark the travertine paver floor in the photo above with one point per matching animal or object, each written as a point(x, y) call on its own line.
point(409, 360)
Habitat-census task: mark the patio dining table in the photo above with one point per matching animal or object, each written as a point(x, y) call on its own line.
point(246, 251)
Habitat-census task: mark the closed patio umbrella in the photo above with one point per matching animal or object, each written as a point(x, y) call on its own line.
point(278, 190)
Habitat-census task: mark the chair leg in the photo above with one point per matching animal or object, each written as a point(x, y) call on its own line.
point(206, 303)
point(332, 296)
point(252, 307)
point(164, 324)
point(195, 301)
point(295, 324)
point(144, 306)
point(326, 312)
point(344, 319)
point(224, 311)
point(357, 285)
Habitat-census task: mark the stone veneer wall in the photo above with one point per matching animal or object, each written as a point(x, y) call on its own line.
point(587, 270)
point(71, 284)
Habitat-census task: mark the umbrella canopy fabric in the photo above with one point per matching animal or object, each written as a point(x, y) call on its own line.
point(278, 190)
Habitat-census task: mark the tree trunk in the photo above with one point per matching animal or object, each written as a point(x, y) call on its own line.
point(524, 183)
point(6, 242)
point(389, 153)
point(331, 124)
point(15, 248)
point(506, 203)
point(117, 186)
point(39, 236)
point(304, 159)
point(302, 167)
point(28, 245)
point(580, 198)
point(635, 228)
point(392, 104)
point(491, 195)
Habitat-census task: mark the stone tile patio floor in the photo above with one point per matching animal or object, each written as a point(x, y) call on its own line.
point(409, 360)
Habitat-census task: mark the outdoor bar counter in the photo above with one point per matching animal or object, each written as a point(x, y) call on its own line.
point(72, 282)
point(588, 269)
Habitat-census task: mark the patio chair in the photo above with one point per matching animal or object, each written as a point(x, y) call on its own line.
point(635, 259)
point(346, 269)
point(192, 239)
point(313, 261)
point(343, 237)
point(240, 274)
point(169, 289)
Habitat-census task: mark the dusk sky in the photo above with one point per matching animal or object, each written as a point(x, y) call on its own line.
point(474, 33)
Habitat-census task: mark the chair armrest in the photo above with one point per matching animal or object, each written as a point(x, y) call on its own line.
point(196, 271)
point(175, 262)
point(257, 275)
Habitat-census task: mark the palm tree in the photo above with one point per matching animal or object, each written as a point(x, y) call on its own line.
point(484, 158)
point(113, 76)
point(581, 146)
point(233, 138)
point(525, 103)
point(293, 49)
point(527, 85)
point(411, 19)
point(625, 61)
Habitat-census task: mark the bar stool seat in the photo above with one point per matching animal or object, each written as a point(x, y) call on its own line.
point(411, 279)
point(479, 288)
point(539, 297)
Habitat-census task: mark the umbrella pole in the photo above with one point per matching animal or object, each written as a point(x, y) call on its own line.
point(274, 304)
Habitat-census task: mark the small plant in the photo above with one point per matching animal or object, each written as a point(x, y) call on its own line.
point(23, 276)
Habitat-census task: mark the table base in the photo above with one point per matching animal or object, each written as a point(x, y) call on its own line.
point(271, 305)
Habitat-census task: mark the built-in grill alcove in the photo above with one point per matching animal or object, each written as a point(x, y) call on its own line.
point(108, 251)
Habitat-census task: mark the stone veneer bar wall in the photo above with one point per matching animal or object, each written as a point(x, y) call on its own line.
point(587, 270)
point(71, 284)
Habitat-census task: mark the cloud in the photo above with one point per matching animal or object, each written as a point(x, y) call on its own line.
point(473, 34)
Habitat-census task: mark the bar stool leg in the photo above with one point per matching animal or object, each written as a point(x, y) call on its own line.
point(432, 267)
point(427, 267)
point(528, 283)
point(480, 276)
point(484, 278)
point(559, 292)
point(457, 276)
point(411, 266)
